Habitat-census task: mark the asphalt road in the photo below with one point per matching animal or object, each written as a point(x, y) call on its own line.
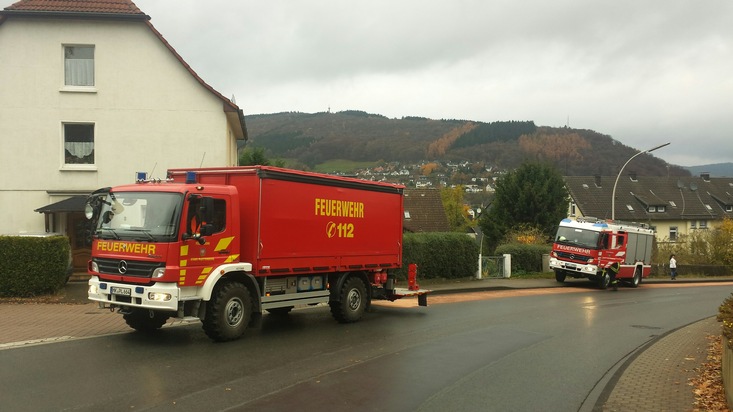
point(509, 351)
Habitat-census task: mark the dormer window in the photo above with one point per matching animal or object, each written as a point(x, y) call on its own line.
point(652, 209)
point(631, 208)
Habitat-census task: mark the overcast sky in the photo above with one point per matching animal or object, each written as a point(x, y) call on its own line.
point(643, 72)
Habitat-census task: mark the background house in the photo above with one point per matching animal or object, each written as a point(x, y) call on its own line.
point(673, 205)
point(424, 211)
point(91, 94)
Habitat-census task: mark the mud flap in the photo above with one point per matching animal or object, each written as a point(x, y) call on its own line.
point(422, 300)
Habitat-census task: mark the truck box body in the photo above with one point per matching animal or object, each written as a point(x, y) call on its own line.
point(296, 222)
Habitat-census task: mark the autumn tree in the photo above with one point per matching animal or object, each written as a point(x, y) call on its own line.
point(455, 210)
point(534, 195)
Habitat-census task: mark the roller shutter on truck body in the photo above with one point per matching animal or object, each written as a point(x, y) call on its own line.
point(298, 222)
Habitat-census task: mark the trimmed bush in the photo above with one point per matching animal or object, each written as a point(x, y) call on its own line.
point(31, 266)
point(526, 258)
point(439, 255)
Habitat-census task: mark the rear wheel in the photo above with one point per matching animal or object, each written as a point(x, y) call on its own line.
point(560, 276)
point(636, 280)
point(145, 320)
point(228, 312)
point(352, 303)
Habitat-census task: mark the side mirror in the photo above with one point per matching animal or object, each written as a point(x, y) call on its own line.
point(206, 229)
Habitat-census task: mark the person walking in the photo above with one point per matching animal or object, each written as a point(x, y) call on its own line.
point(672, 267)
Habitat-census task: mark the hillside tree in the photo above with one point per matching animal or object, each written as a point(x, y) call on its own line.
point(534, 195)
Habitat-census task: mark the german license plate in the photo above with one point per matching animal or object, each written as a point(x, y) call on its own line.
point(570, 265)
point(115, 290)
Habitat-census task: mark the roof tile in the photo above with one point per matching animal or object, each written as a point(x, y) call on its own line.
point(77, 6)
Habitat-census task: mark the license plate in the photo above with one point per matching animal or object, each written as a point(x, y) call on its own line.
point(120, 291)
point(570, 266)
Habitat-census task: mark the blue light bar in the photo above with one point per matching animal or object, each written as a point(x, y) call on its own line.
point(190, 177)
point(141, 176)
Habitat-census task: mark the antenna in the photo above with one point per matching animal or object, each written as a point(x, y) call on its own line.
point(680, 185)
point(151, 172)
point(202, 160)
point(693, 186)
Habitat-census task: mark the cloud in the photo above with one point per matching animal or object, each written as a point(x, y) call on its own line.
point(642, 72)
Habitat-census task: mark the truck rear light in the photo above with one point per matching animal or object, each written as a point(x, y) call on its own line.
point(159, 297)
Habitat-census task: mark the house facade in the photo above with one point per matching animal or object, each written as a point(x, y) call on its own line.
point(91, 94)
point(674, 206)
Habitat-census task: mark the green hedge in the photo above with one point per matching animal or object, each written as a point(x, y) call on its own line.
point(439, 255)
point(31, 266)
point(525, 258)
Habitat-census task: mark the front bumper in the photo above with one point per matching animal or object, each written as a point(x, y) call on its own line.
point(160, 296)
point(578, 268)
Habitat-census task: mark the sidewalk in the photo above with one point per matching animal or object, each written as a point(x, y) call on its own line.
point(664, 366)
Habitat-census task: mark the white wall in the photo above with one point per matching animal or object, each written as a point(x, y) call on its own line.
point(148, 110)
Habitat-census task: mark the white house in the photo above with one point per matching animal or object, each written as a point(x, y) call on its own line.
point(90, 93)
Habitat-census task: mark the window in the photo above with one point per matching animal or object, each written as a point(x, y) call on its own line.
point(673, 233)
point(703, 224)
point(572, 209)
point(728, 208)
point(661, 209)
point(652, 209)
point(78, 143)
point(693, 224)
point(79, 65)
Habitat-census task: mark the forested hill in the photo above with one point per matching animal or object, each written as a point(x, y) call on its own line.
point(312, 139)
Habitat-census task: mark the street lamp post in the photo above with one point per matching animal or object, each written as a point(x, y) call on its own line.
point(613, 195)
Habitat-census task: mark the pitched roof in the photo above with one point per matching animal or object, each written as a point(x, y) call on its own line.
point(77, 6)
point(115, 9)
point(680, 198)
point(425, 210)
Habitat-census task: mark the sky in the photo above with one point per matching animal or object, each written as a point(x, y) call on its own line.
point(643, 72)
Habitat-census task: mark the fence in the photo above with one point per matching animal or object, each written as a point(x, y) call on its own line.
point(495, 266)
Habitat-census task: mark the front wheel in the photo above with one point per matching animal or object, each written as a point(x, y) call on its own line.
point(145, 320)
point(560, 276)
point(228, 312)
point(604, 280)
point(352, 303)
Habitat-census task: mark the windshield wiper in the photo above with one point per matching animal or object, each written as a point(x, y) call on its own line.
point(110, 230)
point(150, 237)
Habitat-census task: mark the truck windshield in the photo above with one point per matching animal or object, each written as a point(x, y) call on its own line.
point(141, 216)
point(577, 237)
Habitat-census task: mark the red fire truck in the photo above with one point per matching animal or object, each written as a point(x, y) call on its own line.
point(585, 247)
point(222, 245)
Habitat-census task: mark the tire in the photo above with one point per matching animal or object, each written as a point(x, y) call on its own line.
point(145, 320)
point(604, 280)
point(280, 311)
point(228, 312)
point(636, 280)
point(353, 301)
point(560, 276)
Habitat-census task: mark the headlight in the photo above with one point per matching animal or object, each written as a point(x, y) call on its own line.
point(158, 273)
point(590, 260)
point(94, 267)
point(93, 290)
point(160, 297)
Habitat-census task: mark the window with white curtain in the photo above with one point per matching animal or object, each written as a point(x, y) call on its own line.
point(79, 143)
point(79, 65)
